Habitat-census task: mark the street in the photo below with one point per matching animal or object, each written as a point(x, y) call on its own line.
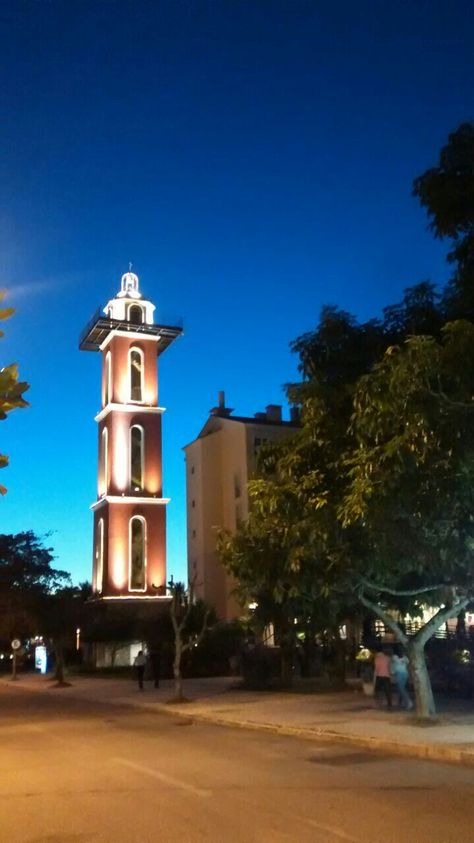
point(74, 772)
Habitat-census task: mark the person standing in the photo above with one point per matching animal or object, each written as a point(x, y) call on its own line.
point(400, 674)
point(139, 664)
point(383, 675)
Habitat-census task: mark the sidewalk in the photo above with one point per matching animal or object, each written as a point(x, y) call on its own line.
point(346, 717)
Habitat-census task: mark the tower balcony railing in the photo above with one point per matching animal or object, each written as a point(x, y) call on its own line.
point(100, 325)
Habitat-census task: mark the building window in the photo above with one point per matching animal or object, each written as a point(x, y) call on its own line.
point(136, 374)
point(238, 515)
point(137, 571)
point(135, 314)
point(137, 449)
point(107, 378)
point(194, 534)
point(192, 469)
point(193, 504)
point(99, 556)
point(103, 462)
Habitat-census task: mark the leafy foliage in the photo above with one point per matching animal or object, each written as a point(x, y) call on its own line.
point(447, 193)
point(27, 578)
point(11, 389)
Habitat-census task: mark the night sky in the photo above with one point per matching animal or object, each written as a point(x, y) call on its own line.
point(254, 160)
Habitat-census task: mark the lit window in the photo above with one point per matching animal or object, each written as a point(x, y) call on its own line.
point(137, 580)
point(103, 462)
point(136, 374)
point(137, 441)
point(99, 555)
point(135, 314)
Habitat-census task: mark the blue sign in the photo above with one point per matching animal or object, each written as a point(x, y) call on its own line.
point(41, 658)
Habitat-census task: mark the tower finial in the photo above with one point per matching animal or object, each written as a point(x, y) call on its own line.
point(130, 266)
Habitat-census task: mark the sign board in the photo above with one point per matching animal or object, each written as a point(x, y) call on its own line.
point(16, 644)
point(41, 658)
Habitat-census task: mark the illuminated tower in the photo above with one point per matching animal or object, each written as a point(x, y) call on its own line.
point(130, 511)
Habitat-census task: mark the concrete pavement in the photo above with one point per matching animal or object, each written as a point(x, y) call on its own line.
point(346, 717)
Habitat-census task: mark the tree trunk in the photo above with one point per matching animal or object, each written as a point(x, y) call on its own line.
point(425, 705)
point(178, 682)
point(59, 669)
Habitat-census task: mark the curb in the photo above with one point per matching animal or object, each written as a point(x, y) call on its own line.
point(428, 752)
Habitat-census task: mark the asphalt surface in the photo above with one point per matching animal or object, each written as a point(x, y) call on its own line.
point(74, 772)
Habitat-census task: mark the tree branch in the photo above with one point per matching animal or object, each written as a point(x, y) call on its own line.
point(196, 641)
point(385, 617)
point(442, 615)
point(410, 592)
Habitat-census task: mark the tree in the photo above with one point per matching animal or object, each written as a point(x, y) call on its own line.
point(447, 193)
point(410, 491)
point(190, 621)
point(26, 579)
point(274, 554)
point(11, 389)
point(62, 615)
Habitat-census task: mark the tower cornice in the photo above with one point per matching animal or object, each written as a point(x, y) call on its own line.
point(133, 409)
point(129, 499)
point(130, 335)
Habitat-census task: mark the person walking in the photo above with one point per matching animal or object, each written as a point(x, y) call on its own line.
point(383, 675)
point(155, 662)
point(399, 667)
point(139, 664)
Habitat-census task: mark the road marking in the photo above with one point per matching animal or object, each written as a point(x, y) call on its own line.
point(336, 832)
point(164, 778)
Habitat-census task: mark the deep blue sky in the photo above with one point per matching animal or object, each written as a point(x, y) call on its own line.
point(253, 159)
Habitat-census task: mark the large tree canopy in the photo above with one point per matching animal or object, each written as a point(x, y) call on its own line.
point(27, 578)
point(447, 193)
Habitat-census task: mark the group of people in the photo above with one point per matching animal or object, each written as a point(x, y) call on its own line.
point(390, 665)
point(140, 664)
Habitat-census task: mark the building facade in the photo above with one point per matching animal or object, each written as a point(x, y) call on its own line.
point(129, 543)
point(219, 463)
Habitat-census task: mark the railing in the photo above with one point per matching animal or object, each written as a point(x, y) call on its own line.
point(99, 315)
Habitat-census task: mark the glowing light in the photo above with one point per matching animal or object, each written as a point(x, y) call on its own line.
point(120, 456)
point(118, 563)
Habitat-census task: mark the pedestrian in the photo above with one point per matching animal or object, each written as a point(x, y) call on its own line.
point(139, 664)
point(399, 667)
point(383, 675)
point(155, 663)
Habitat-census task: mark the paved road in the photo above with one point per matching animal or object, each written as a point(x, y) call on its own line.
point(72, 772)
